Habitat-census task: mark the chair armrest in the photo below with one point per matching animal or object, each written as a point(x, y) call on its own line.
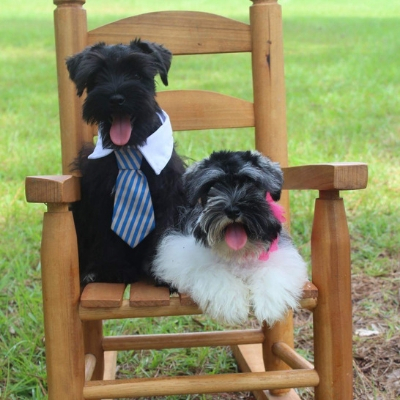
point(52, 189)
point(332, 176)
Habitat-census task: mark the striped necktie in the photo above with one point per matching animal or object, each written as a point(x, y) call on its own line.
point(133, 215)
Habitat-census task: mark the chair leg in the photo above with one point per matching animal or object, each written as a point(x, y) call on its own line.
point(93, 338)
point(282, 331)
point(330, 248)
point(110, 365)
point(63, 328)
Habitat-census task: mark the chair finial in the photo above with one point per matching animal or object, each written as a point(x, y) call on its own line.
point(64, 2)
point(264, 1)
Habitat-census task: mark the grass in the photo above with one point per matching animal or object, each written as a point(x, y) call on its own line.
point(343, 105)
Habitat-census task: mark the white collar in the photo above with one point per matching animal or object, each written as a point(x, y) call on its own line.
point(157, 150)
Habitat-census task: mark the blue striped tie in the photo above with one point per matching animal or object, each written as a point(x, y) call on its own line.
point(133, 215)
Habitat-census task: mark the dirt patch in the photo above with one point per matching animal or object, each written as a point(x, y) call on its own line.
point(377, 357)
point(376, 337)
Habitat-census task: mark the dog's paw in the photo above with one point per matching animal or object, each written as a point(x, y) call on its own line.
point(89, 278)
point(194, 269)
point(270, 307)
point(225, 298)
point(277, 286)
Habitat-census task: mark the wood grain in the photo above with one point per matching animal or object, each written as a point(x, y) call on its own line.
point(199, 384)
point(270, 127)
point(93, 342)
point(110, 365)
point(147, 295)
point(332, 176)
point(52, 189)
point(281, 331)
point(127, 311)
point(70, 27)
point(201, 109)
point(182, 32)
point(184, 340)
point(90, 364)
point(186, 300)
point(103, 295)
point(249, 359)
point(331, 273)
point(290, 357)
point(310, 291)
point(61, 291)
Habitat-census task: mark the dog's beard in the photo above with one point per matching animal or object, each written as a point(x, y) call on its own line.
point(260, 227)
point(250, 252)
point(215, 229)
point(134, 120)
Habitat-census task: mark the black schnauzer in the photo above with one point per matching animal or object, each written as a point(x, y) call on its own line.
point(230, 251)
point(120, 87)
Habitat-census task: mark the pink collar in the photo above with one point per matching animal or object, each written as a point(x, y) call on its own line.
point(278, 212)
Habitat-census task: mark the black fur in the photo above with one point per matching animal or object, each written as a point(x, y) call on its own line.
point(119, 82)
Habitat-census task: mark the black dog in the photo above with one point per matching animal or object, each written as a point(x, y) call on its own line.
point(120, 87)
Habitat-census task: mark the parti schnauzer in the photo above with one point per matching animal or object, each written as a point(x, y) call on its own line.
point(131, 181)
point(230, 252)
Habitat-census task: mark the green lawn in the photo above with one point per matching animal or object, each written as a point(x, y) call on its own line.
point(342, 80)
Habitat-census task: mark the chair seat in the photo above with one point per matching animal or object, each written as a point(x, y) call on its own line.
point(117, 300)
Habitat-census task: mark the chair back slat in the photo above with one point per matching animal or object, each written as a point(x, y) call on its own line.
point(195, 109)
point(182, 32)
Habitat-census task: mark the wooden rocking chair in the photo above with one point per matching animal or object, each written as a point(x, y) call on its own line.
point(75, 345)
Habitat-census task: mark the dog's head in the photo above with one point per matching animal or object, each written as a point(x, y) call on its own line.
point(120, 87)
point(228, 192)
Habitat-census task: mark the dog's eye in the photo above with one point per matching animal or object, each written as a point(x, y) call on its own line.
point(211, 190)
point(203, 200)
point(137, 77)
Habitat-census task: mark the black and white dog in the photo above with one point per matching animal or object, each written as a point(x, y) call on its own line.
point(230, 252)
point(119, 81)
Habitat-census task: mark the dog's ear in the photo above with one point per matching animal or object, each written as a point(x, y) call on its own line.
point(271, 174)
point(84, 65)
point(275, 180)
point(162, 57)
point(198, 179)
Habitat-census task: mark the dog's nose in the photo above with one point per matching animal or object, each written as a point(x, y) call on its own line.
point(232, 212)
point(117, 100)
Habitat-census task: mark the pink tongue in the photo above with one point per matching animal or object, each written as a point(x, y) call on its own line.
point(235, 236)
point(120, 131)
